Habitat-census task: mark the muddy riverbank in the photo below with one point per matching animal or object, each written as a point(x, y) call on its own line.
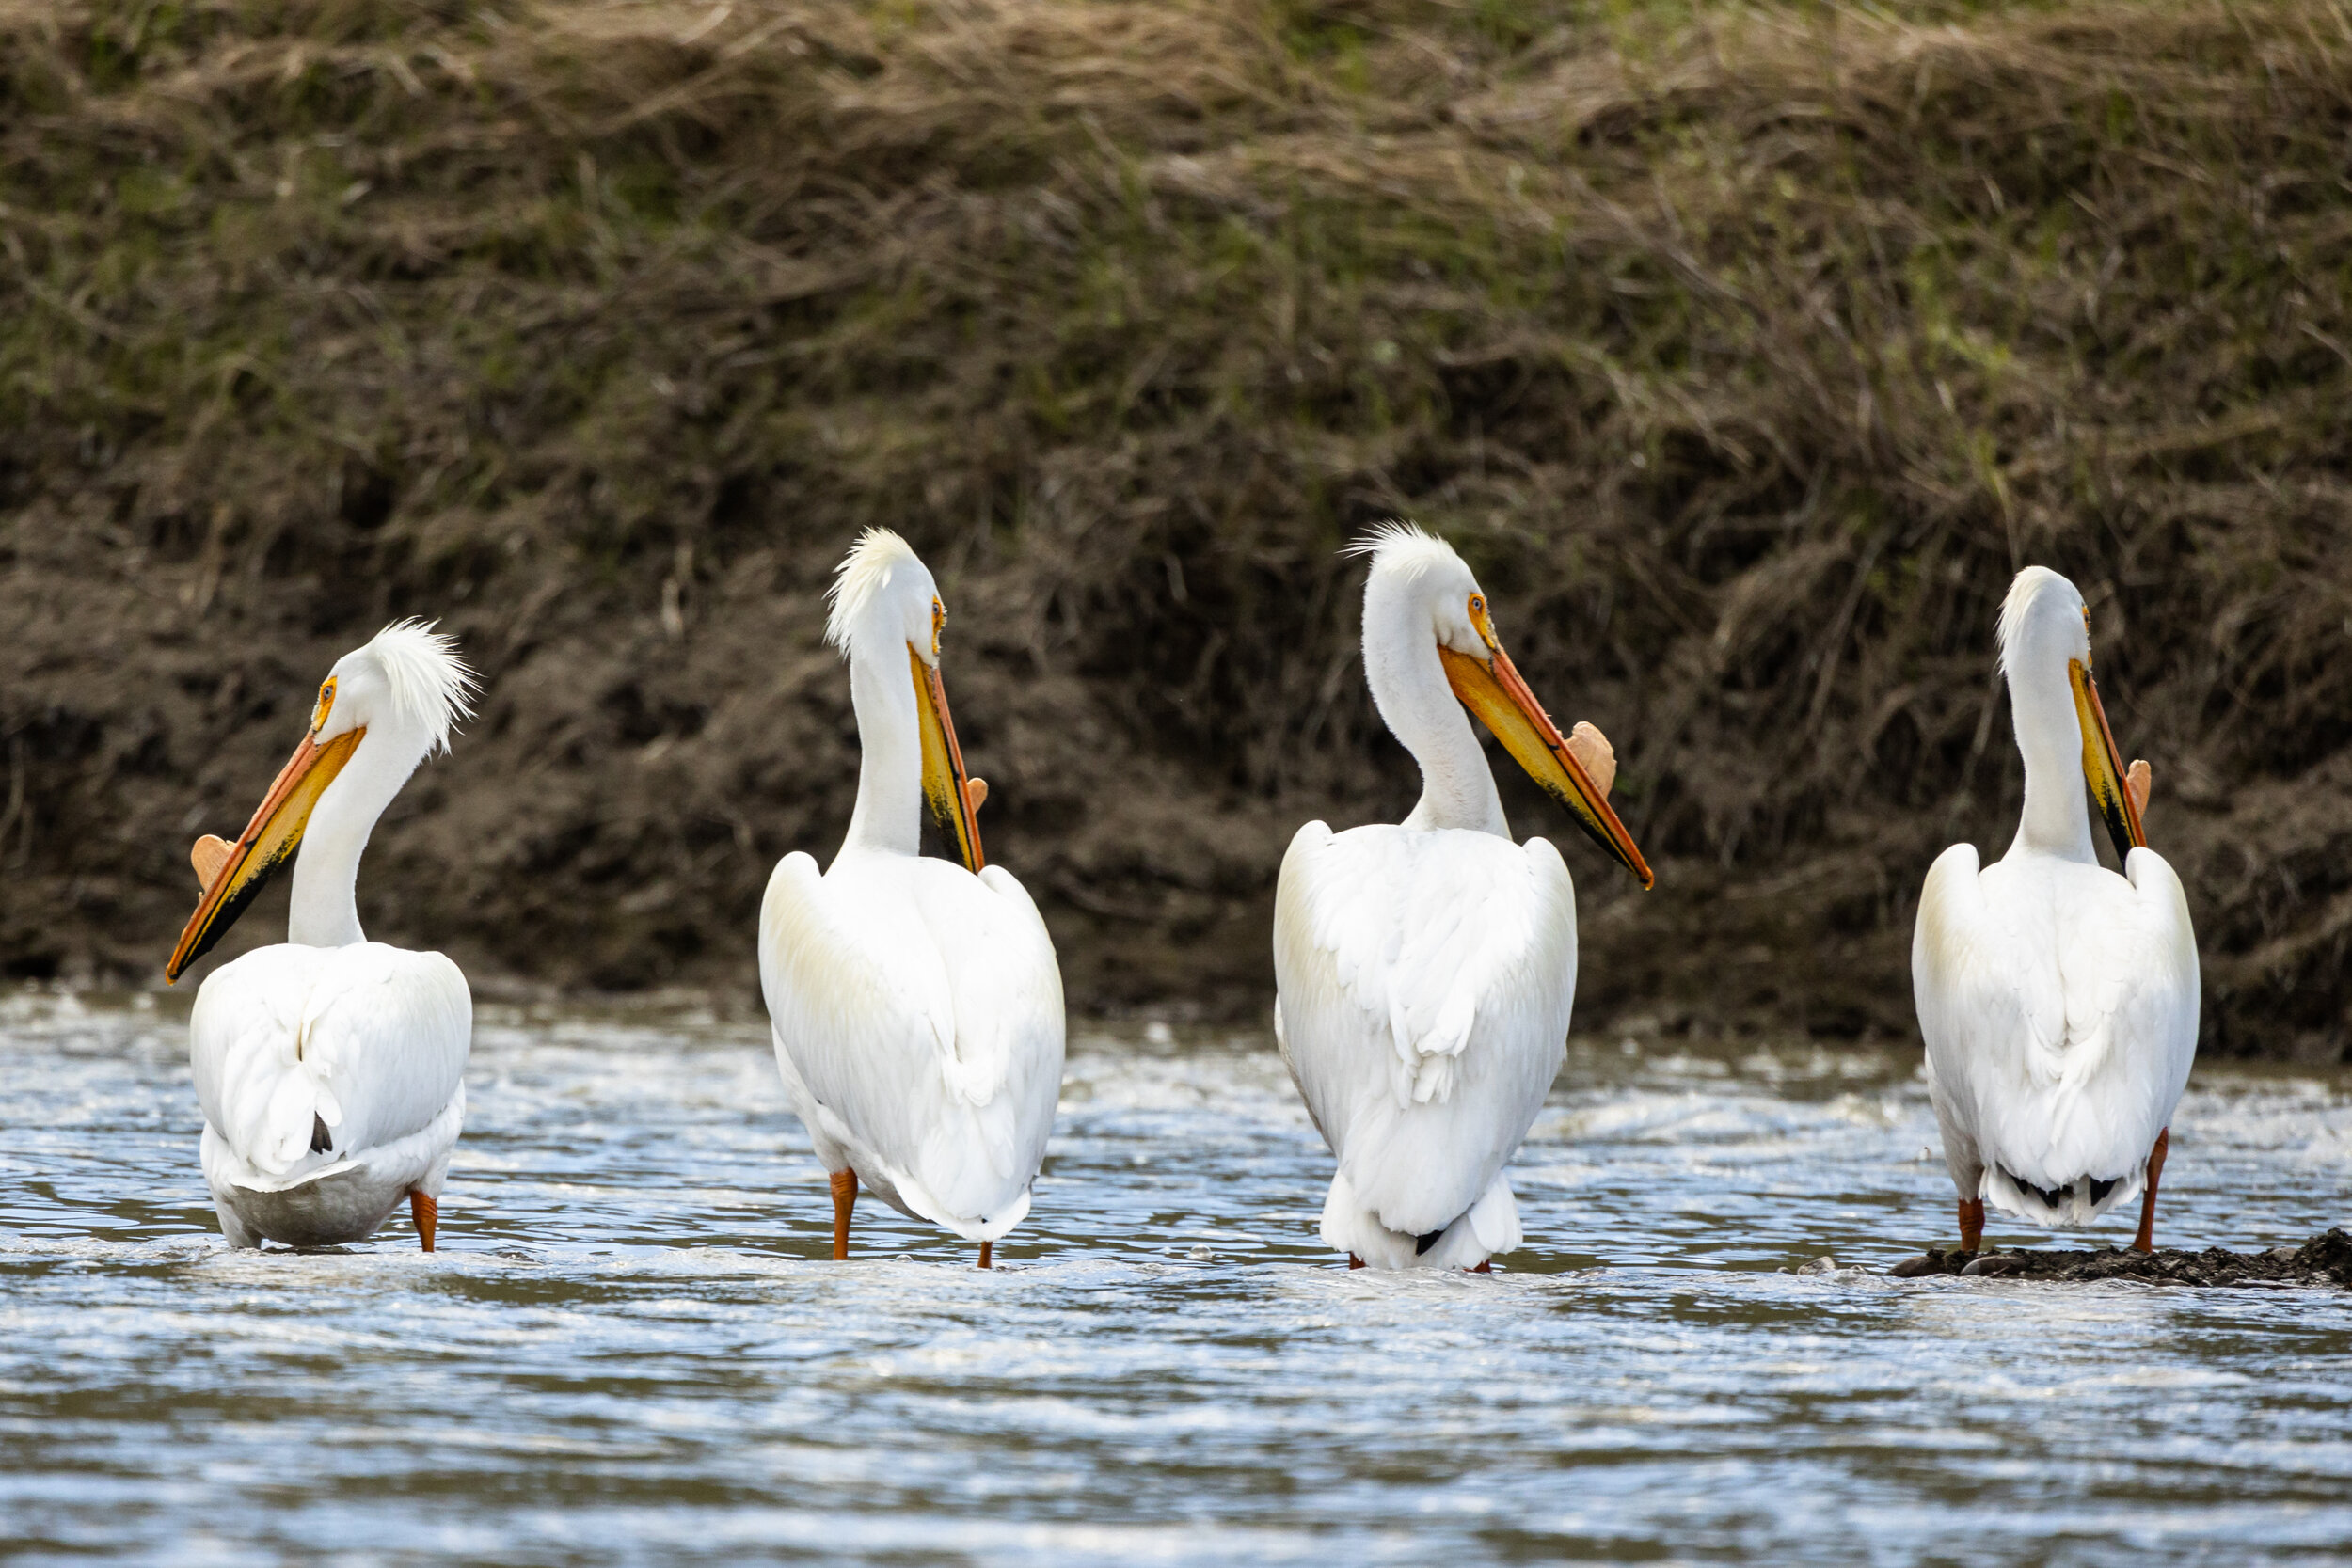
point(1745, 356)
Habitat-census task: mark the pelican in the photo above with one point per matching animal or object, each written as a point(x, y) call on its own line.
point(331, 1067)
point(2058, 998)
point(1424, 972)
point(915, 1005)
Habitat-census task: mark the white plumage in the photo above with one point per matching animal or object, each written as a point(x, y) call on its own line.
point(1425, 970)
point(915, 1007)
point(361, 1049)
point(1425, 977)
point(2058, 1000)
point(330, 1068)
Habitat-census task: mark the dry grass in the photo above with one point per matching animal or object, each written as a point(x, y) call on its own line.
point(1746, 351)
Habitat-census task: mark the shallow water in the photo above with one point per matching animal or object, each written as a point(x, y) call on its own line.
point(634, 1349)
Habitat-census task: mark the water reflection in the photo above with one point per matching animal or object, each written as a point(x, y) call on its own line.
point(635, 1351)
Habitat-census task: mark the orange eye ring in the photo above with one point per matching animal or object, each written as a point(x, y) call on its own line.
point(1482, 623)
point(327, 704)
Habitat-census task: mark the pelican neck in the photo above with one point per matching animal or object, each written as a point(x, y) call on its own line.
point(888, 818)
point(1410, 687)
point(2055, 819)
point(324, 910)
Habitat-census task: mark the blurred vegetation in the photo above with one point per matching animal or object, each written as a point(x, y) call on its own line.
point(1745, 351)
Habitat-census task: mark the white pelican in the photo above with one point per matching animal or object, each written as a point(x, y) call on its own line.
point(331, 1067)
point(2058, 1000)
point(915, 1005)
point(1424, 972)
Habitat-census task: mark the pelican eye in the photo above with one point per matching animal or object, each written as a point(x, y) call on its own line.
point(939, 619)
point(326, 703)
point(1480, 622)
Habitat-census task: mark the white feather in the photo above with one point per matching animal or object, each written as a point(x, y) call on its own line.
point(916, 1014)
point(2058, 999)
point(1425, 981)
point(329, 1029)
point(1403, 551)
point(1425, 972)
point(916, 1009)
point(430, 685)
point(2059, 1002)
point(368, 1039)
point(865, 576)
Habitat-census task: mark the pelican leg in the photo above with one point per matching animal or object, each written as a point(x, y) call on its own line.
point(1353, 1261)
point(988, 1255)
point(2146, 1240)
point(1971, 1223)
point(1485, 1265)
point(425, 1212)
point(844, 1199)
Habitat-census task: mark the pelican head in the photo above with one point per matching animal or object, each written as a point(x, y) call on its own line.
point(401, 694)
point(1421, 595)
point(2045, 656)
point(884, 597)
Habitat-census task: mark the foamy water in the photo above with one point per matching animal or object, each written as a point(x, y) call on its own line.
point(634, 1349)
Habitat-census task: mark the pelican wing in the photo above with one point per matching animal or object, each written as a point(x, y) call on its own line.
point(1424, 980)
point(859, 1007)
point(1009, 1025)
point(920, 1009)
point(2129, 964)
point(2059, 1002)
point(368, 1043)
point(1985, 1022)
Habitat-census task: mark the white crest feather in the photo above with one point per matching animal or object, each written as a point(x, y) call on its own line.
point(428, 682)
point(863, 573)
point(1404, 548)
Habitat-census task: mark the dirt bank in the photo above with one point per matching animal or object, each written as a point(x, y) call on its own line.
point(1745, 356)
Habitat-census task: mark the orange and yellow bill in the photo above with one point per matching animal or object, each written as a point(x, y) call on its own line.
point(1492, 690)
point(2102, 765)
point(946, 788)
point(268, 842)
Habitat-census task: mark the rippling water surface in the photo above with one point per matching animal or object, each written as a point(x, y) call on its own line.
point(635, 1350)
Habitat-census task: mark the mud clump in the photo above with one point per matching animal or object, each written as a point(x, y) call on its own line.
point(2325, 1260)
